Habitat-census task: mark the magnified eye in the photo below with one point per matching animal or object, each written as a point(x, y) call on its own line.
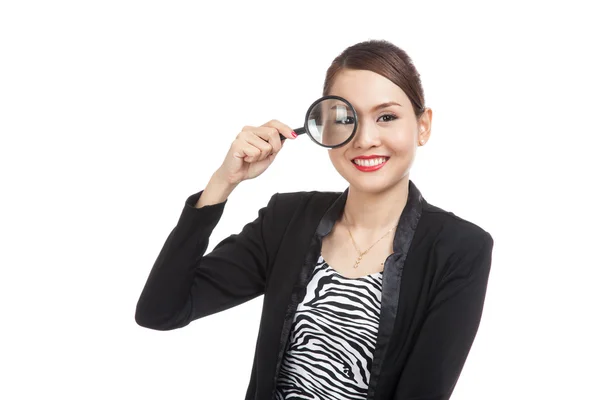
point(345, 121)
point(343, 116)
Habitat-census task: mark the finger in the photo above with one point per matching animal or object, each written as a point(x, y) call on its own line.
point(264, 147)
point(271, 135)
point(282, 128)
point(247, 152)
point(263, 134)
point(267, 135)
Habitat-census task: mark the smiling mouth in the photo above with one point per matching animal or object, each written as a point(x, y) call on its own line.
point(372, 162)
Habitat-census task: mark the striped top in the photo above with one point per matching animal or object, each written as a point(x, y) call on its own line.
point(330, 351)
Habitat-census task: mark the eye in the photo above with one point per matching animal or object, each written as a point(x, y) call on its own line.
point(345, 121)
point(391, 117)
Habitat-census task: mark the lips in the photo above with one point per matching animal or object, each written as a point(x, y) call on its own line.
point(369, 164)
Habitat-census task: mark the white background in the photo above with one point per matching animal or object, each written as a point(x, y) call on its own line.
point(113, 112)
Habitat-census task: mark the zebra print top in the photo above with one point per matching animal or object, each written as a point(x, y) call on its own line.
point(330, 351)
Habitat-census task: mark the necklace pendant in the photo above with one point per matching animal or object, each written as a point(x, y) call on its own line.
point(358, 260)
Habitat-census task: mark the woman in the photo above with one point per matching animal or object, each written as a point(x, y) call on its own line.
point(372, 293)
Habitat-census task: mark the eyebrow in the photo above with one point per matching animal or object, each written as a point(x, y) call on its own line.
point(382, 105)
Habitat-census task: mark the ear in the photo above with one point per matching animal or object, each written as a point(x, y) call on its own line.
point(424, 126)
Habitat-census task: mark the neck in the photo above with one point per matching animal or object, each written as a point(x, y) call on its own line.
point(374, 213)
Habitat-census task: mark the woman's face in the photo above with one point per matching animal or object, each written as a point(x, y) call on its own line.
point(390, 131)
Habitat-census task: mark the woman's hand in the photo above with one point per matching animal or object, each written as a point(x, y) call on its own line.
point(253, 151)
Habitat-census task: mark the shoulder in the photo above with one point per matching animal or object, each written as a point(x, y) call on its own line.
point(462, 248)
point(454, 232)
point(304, 199)
point(302, 207)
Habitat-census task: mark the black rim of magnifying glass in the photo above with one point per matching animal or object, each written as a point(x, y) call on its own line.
point(304, 129)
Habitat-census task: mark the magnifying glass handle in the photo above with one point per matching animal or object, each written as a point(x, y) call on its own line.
point(299, 131)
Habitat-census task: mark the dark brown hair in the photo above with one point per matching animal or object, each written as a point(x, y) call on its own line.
point(383, 58)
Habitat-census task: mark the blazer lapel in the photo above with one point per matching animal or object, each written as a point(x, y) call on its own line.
point(392, 279)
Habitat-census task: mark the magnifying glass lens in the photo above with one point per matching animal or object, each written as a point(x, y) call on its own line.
point(331, 122)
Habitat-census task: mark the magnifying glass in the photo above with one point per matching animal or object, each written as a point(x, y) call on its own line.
point(330, 122)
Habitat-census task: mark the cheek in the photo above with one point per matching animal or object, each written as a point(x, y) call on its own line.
point(404, 138)
point(335, 155)
point(338, 160)
point(399, 144)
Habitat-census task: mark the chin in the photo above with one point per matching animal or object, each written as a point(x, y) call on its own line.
point(372, 186)
point(370, 182)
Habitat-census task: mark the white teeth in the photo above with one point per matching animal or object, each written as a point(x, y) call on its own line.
point(369, 163)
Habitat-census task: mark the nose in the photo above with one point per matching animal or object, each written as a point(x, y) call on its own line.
point(367, 135)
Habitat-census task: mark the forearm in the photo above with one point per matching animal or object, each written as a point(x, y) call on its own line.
point(216, 191)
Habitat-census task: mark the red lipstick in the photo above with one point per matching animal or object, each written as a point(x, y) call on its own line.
point(369, 168)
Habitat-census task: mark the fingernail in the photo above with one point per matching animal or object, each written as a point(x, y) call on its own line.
point(294, 134)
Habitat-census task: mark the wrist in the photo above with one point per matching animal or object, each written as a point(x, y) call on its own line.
point(216, 191)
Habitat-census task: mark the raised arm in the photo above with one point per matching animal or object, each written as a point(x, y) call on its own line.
point(185, 284)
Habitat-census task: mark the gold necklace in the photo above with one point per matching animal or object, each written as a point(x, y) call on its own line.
point(362, 253)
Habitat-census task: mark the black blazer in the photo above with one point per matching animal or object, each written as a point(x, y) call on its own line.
point(434, 286)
